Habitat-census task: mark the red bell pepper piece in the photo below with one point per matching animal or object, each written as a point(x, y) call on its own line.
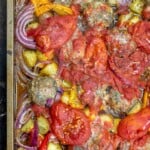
point(44, 144)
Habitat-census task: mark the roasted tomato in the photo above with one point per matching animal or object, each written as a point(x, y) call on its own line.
point(98, 13)
point(141, 34)
point(101, 138)
point(120, 42)
point(129, 69)
point(85, 55)
point(55, 31)
point(135, 126)
point(70, 126)
point(74, 49)
point(96, 54)
point(146, 13)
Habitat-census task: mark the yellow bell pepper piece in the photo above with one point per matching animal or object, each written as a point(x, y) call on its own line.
point(32, 25)
point(115, 123)
point(136, 108)
point(41, 6)
point(112, 2)
point(43, 125)
point(38, 3)
point(145, 99)
point(134, 20)
point(89, 114)
point(50, 70)
point(66, 84)
point(123, 19)
point(54, 146)
point(45, 56)
point(70, 97)
point(30, 58)
point(102, 107)
point(28, 126)
point(65, 97)
point(62, 10)
point(41, 56)
point(87, 111)
point(107, 119)
point(73, 92)
point(73, 100)
point(137, 6)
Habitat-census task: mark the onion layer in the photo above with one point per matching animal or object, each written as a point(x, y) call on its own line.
point(23, 109)
point(24, 146)
point(24, 17)
point(20, 62)
point(34, 140)
point(123, 2)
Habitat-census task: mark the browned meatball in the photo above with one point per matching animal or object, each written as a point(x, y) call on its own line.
point(42, 88)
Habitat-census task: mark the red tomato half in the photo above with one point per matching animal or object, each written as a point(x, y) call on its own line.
point(146, 13)
point(135, 126)
point(70, 125)
point(55, 31)
point(141, 34)
point(129, 69)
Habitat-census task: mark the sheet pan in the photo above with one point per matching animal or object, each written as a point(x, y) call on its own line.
point(10, 75)
point(11, 81)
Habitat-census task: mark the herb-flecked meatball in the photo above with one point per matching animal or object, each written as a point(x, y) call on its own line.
point(41, 89)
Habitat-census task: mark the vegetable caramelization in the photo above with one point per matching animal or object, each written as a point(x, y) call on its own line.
point(83, 74)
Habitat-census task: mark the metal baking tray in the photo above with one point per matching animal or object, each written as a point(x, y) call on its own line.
point(11, 100)
point(11, 80)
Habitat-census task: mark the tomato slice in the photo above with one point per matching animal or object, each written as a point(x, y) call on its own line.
point(135, 126)
point(141, 34)
point(146, 13)
point(129, 69)
point(70, 125)
point(54, 32)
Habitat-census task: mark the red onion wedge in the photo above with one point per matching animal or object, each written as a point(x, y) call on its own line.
point(20, 62)
point(57, 97)
point(123, 2)
point(20, 4)
point(24, 146)
point(24, 113)
point(49, 102)
point(34, 137)
point(25, 16)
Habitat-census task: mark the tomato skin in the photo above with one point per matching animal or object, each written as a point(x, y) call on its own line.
point(141, 34)
point(135, 126)
point(146, 13)
point(70, 125)
point(127, 71)
point(55, 31)
point(96, 54)
point(75, 53)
